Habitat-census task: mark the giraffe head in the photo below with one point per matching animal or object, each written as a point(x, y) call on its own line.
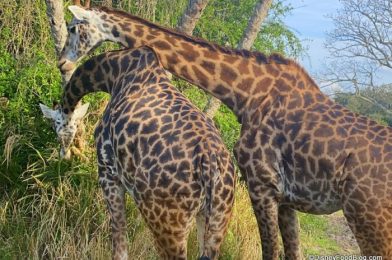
point(85, 32)
point(65, 125)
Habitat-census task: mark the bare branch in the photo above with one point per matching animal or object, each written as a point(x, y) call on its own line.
point(363, 30)
point(374, 102)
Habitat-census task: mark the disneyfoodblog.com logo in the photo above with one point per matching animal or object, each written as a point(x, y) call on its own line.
point(343, 257)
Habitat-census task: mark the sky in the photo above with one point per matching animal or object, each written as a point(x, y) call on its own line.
point(309, 19)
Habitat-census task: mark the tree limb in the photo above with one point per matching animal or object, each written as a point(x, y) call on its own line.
point(191, 16)
point(259, 15)
point(55, 12)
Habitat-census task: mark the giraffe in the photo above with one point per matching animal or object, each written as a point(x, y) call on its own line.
point(153, 143)
point(298, 150)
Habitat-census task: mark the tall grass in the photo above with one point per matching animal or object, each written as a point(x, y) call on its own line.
point(72, 222)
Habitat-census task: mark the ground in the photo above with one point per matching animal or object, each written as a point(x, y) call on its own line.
point(342, 234)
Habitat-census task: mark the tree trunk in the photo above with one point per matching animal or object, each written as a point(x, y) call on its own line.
point(254, 25)
point(246, 42)
point(191, 15)
point(85, 5)
point(189, 19)
point(55, 12)
point(212, 106)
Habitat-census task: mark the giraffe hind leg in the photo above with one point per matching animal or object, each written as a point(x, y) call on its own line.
point(170, 229)
point(369, 215)
point(114, 195)
point(212, 226)
point(373, 233)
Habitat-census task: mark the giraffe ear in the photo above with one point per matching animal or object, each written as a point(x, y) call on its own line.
point(81, 111)
point(80, 13)
point(48, 112)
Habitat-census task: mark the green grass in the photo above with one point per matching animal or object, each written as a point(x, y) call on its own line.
point(314, 235)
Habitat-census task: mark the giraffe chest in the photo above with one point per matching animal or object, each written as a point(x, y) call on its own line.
point(272, 158)
point(316, 197)
point(307, 189)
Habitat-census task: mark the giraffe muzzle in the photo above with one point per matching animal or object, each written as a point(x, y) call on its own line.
point(66, 155)
point(65, 66)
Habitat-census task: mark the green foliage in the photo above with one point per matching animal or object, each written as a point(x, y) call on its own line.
point(369, 103)
point(224, 22)
point(28, 76)
point(165, 12)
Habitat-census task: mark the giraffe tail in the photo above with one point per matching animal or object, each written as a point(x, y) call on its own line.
point(206, 219)
point(210, 176)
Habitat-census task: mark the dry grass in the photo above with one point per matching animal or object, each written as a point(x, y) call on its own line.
point(69, 221)
point(242, 239)
point(10, 143)
point(23, 30)
point(72, 222)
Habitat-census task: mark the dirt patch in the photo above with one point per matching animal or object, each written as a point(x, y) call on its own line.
point(342, 233)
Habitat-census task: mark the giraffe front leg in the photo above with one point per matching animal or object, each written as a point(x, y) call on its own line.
point(288, 225)
point(266, 210)
point(265, 193)
point(114, 194)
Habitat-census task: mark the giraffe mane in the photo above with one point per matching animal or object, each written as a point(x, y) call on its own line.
point(261, 58)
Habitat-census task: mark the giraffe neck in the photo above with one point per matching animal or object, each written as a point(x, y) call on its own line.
point(111, 72)
point(230, 75)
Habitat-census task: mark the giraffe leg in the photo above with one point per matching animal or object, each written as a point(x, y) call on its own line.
point(288, 225)
point(369, 216)
point(264, 192)
point(264, 195)
point(266, 210)
point(373, 233)
point(114, 195)
point(170, 228)
point(210, 233)
point(211, 228)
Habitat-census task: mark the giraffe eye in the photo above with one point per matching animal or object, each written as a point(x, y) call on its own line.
point(72, 29)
